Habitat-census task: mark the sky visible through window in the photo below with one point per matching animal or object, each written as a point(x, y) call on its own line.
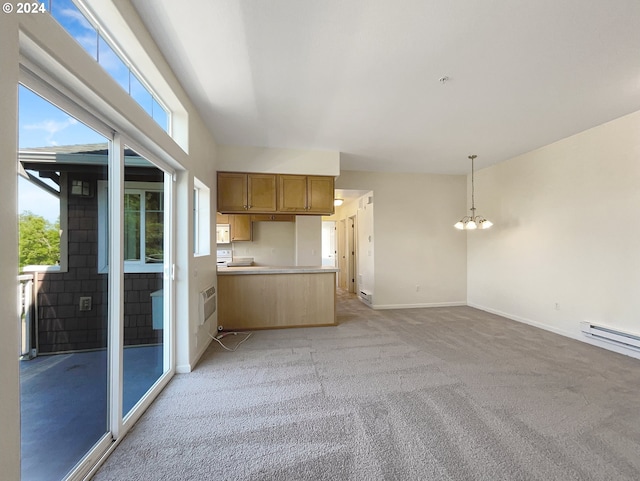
point(74, 22)
point(42, 124)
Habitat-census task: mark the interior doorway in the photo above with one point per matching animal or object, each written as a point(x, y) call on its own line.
point(351, 254)
point(329, 247)
point(342, 254)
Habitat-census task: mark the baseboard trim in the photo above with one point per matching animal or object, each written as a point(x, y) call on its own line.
point(603, 344)
point(418, 306)
point(525, 320)
point(187, 368)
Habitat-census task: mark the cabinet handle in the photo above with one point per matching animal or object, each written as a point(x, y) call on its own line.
point(245, 206)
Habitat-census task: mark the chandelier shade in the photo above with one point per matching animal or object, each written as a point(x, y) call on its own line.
point(473, 221)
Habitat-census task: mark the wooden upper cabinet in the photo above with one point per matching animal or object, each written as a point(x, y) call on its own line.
point(232, 192)
point(240, 227)
point(292, 193)
point(306, 194)
point(320, 194)
point(261, 192)
point(239, 192)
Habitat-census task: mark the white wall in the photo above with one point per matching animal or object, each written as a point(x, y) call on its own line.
point(10, 338)
point(308, 240)
point(280, 161)
point(296, 243)
point(566, 231)
point(415, 242)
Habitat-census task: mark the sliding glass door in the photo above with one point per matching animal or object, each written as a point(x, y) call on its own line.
point(96, 233)
point(146, 261)
point(64, 373)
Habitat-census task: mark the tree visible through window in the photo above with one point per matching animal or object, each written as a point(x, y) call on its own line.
point(143, 226)
point(132, 214)
point(39, 242)
point(154, 226)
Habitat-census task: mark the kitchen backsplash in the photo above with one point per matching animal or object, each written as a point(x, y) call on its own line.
point(273, 244)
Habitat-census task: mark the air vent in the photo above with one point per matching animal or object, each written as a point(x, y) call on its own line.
point(207, 304)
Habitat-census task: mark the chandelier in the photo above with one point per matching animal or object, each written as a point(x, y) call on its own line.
point(473, 221)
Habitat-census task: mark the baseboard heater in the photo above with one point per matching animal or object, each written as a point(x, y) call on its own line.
point(366, 296)
point(604, 333)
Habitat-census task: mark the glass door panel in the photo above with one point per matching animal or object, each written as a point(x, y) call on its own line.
point(145, 265)
point(64, 368)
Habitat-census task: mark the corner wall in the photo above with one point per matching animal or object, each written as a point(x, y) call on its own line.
point(564, 247)
point(10, 338)
point(420, 259)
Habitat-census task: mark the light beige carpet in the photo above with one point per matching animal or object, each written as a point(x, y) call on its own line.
point(418, 394)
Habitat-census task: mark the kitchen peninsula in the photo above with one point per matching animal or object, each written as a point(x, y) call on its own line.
point(263, 297)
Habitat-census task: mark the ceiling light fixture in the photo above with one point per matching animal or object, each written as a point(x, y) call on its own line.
point(473, 221)
point(338, 202)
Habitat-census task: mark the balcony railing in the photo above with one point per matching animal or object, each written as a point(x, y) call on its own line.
point(27, 309)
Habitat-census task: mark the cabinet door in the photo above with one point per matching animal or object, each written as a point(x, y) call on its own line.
point(261, 192)
point(292, 193)
point(240, 227)
point(232, 192)
point(320, 194)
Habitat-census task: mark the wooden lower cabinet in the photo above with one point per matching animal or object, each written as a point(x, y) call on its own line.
point(265, 301)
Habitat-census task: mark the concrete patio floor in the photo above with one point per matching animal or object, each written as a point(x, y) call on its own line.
point(64, 405)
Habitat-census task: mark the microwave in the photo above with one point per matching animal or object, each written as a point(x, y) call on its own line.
point(223, 235)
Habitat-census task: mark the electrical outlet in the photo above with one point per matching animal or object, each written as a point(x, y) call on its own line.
point(417, 287)
point(85, 303)
point(557, 306)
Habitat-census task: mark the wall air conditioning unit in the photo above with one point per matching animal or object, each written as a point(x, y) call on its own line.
point(206, 305)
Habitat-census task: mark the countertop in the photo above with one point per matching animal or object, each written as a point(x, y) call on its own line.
point(232, 271)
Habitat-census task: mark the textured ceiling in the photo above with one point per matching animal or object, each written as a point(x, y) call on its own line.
point(362, 76)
